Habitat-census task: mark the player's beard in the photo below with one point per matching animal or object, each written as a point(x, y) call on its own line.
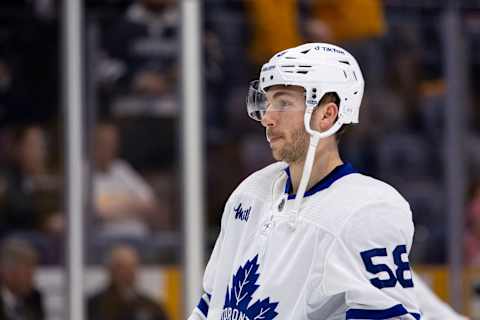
point(297, 150)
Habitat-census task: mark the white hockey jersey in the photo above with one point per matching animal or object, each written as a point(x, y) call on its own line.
point(347, 258)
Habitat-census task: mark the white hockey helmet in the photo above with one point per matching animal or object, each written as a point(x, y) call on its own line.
point(317, 67)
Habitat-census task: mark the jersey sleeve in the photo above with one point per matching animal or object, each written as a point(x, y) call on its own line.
point(200, 312)
point(367, 262)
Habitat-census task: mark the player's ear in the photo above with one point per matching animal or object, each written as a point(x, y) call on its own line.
point(325, 116)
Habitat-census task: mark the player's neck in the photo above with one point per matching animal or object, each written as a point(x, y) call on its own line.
point(326, 161)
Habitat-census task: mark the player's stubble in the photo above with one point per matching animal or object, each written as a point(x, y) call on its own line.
point(294, 151)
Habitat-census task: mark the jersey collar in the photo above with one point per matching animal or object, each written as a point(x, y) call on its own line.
point(337, 173)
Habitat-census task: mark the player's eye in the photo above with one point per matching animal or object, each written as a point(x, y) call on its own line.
point(281, 105)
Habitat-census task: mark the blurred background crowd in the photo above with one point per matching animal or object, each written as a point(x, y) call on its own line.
point(133, 111)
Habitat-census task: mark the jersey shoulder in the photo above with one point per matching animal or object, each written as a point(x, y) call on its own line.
point(260, 183)
point(365, 190)
point(358, 195)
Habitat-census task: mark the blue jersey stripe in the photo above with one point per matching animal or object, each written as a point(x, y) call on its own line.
point(416, 315)
point(337, 173)
point(203, 307)
point(395, 311)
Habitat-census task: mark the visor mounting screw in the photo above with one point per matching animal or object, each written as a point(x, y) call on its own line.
point(271, 77)
point(314, 90)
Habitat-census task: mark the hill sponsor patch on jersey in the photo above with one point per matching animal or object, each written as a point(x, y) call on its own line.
point(238, 300)
point(242, 213)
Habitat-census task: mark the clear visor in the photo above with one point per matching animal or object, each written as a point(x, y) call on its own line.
point(257, 103)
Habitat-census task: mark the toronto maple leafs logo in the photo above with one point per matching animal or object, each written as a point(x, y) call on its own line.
point(238, 299)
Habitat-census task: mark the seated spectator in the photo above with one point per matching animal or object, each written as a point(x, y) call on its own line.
point(274, 26)
point(121, 299)
point(125, 204)
point(19, 299)
point(29, 192)
point(342, 20)
point(141, 58)
point(472, 234)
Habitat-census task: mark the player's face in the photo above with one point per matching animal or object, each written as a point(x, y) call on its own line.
point(283, 121)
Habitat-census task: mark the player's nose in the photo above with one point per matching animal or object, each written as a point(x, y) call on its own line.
point(269, 119)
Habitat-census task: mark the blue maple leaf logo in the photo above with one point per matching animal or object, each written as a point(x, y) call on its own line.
point(238, 299)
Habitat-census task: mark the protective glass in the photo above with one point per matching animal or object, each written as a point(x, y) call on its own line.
point(257, 103)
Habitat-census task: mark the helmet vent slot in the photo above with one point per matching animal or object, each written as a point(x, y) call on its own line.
point(288, 68)
point(305, 51)
point(345, 73)
point(344, 61)
point(290, 58)
point(302, 71)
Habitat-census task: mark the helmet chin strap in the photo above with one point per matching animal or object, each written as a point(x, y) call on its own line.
point(315, 137)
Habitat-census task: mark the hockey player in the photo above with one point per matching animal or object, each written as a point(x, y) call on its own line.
point(308, 237)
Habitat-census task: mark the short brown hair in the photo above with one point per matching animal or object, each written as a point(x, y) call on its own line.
point(330, 97)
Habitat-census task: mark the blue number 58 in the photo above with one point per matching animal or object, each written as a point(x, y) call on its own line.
point(399, 275)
